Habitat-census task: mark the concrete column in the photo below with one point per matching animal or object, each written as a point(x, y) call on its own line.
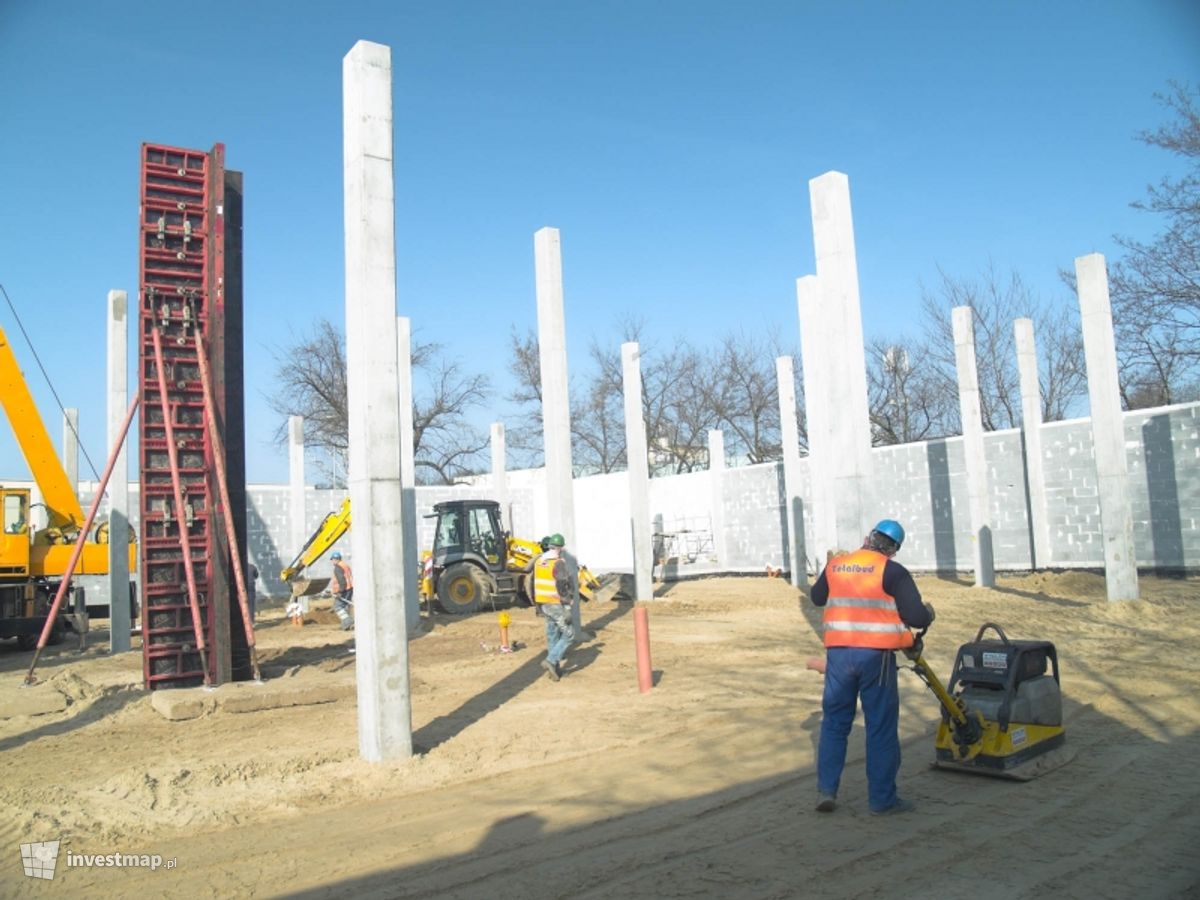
point(118, 484)
point(790, 432)
point(377, 538)
point(408, 473)
point(1031, 432)
point(639, 472)
point(972, 428)
point(1108, 428)
point(844, 358)
point(297, 517)
point(716, 478)
point(71, 447)
point(818, 409)
point(556, 401)
point(500, 474)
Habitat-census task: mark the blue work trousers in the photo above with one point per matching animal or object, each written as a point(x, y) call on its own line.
point(559, 635)
point(850, 673)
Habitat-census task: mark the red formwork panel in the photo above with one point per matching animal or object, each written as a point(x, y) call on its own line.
point(180, 256)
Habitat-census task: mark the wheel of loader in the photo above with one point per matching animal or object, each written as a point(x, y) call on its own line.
point(461, 589)
point(29, 641)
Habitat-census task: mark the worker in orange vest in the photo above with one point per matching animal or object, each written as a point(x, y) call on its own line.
point(343, 590)
point(870, 603)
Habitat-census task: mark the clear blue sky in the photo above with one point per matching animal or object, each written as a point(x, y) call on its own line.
point(671, 142)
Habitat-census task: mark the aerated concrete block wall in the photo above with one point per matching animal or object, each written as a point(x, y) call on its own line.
point(923, 485)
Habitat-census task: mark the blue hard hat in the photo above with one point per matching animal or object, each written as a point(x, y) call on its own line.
point(336, 555)
point(890, 528)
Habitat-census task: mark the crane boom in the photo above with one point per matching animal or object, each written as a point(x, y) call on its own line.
point(62, 503)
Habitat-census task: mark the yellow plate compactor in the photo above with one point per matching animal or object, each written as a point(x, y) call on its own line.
point(1002, 711)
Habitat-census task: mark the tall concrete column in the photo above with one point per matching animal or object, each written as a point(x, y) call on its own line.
point(972, 428)
point(790, 432)
point(118, 484)
point(500, 474)
point(716, 479)
point(556, 401)
point(71, 447)
point(377, 538)
point(408, 472)
point(815, 338)
point(1108, 428)
point(1031, 433)
point(844, 358)
point(297, 516)
point(636, 454)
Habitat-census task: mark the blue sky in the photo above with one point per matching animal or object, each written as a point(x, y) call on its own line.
point(671, 143)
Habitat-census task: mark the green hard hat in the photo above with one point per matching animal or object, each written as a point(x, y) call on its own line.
point(556, 540)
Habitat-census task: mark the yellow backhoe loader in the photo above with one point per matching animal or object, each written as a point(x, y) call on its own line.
point(473, 561)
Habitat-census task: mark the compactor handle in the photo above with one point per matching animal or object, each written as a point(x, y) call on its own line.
point(996, 628)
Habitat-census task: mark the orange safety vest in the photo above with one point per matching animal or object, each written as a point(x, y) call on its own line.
point(346, 575)
point(859, 613)
point(545, 587)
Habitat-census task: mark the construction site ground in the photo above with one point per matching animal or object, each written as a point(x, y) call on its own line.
point(702, 787)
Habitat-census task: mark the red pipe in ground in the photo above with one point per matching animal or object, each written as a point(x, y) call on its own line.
point(641, 637)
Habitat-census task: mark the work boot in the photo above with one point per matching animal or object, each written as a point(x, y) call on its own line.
point(826, 802)
point(900, 806)
point(551, 669)
point(347, 622)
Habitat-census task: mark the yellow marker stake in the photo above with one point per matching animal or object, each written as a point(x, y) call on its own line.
point(504, 619)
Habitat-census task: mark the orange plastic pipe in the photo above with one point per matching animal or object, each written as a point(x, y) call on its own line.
point(641, 637)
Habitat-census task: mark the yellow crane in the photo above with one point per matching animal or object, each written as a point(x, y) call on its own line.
point(33, 562)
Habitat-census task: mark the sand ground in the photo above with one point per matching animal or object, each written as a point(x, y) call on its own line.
point(703, 787)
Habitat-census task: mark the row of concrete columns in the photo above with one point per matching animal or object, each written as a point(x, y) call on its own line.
point(835, 385)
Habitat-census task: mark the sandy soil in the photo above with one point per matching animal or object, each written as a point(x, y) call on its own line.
point(703, 787)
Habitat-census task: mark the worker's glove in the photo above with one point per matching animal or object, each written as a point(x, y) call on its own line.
point(932, 613)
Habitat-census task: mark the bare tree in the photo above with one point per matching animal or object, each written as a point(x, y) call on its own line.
point(523, 433)
point(906, 394)
point(1155, 288)
point(744, 392)
point(996, 303)
point(310, 381)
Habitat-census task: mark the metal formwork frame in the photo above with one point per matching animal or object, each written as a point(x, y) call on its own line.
point(181, 266)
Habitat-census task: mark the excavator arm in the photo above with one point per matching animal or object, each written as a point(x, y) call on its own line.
point(332, 527)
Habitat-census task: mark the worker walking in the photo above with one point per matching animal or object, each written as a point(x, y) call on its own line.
point(553, 592)
point(343, 591)
point(870, 602)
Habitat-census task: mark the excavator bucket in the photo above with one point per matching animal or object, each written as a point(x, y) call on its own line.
point(604, 588)
point(308, 587)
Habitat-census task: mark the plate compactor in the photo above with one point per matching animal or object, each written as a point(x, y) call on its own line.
point(1002, 710)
